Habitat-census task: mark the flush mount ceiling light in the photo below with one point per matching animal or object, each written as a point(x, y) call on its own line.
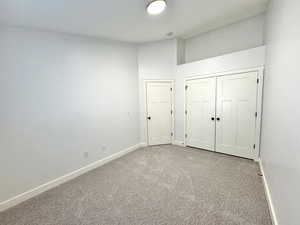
point(156, 7)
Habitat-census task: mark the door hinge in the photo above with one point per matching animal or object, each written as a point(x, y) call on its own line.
point(254, 146)
point(257, 80)
point(185, 112)
point(172, 134)
point(186, 87)
point(255, 114)
point(171, 89)
point(171, 112)
point(186, 135)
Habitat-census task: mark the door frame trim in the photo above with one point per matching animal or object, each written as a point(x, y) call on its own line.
point(172, 82)
point(259, 103)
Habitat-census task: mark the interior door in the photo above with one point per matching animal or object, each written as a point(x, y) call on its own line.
point(200, 113)
point(236, 114)
point(159, 112)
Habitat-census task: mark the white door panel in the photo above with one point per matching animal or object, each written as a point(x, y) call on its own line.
point(236, 107)
point(159, 106)
point(200, 106)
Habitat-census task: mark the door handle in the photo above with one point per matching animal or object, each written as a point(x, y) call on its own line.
point(218, 119)
point(149, 117)
point(213, 118)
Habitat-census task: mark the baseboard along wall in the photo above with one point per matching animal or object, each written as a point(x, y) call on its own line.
point(65, 178)
point(268, 195)
point(179, 143)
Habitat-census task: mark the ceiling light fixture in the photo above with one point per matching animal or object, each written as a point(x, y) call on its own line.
point(156, 7)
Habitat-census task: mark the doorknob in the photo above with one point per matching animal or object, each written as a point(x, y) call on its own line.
point(149, 117)
point(213, 118)
point(218, 118)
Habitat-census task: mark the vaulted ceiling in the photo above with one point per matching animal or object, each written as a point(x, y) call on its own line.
point(127, 20)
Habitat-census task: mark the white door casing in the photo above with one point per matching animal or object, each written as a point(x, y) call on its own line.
point(235, 113)
point(159, 112)
point(200, 113)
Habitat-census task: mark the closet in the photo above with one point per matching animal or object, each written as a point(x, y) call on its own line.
point(221, 113)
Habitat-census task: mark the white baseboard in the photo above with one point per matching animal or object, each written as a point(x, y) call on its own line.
point(268, 195)
point(143, 144)
point(179, 143)
point(54, 183)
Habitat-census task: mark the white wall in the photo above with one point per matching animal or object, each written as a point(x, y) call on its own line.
point(280, 145)
point(243, 35)
point(156, 61)
point(246, 59)
point(61, 96)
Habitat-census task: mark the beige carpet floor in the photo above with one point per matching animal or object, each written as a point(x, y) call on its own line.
point(162, 185)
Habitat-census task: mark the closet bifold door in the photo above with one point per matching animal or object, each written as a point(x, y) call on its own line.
point(235, 114)
point(200, 113)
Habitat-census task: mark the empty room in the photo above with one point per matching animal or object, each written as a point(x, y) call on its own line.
point(149, 112)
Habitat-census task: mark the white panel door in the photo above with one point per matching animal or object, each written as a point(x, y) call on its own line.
point(200, 113)
point(159, 117)
point(236, 107)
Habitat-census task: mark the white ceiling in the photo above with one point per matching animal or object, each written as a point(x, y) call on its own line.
point(127, 20)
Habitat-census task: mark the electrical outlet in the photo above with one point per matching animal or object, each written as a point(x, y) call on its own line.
point(129, 115)
point(85, 154)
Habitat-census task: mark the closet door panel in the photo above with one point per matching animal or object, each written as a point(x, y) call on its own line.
point(236, 107)
point(200, 108)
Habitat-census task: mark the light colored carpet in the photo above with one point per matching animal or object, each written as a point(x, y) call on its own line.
point(162, 185)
